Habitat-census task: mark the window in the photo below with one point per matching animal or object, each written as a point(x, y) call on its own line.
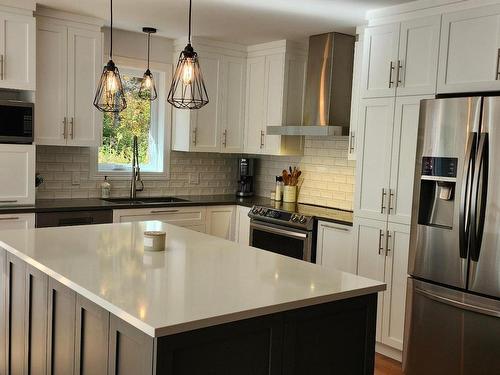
point(142, 118)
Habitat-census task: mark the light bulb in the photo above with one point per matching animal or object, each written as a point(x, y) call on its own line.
point(147, 82)
point(111, 83)
point(188, 72)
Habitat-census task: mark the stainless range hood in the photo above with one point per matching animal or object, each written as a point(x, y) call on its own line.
point(327, 100)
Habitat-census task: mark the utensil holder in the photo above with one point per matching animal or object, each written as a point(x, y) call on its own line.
point(290, 194)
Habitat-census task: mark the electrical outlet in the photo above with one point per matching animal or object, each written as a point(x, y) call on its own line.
point(194, 178)
point(75, 178)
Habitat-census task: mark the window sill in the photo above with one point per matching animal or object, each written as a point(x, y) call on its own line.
point(126, 176)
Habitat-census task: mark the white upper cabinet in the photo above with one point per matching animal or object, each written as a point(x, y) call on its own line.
point(470, 50)
point(69, 63)
point(355, 96)
point(416, 72)
point(219, 125)
point(380, 55)
point(17, 51)
point(233, 104)
point(375, 125)
point(401, 58)
point(274, 96)
point(18, 189)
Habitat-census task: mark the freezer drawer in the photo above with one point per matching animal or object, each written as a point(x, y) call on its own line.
point(450, 332)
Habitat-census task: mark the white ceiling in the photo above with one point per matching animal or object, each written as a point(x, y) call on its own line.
point(240, 21)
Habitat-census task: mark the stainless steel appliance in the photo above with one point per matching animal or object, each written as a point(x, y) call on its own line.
point(245, 173)
point(283, 232)
point(453, 302)
point(17, 121)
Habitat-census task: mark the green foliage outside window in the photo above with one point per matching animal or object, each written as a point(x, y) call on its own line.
point(119, 129)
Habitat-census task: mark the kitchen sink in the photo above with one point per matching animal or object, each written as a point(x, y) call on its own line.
point(149, 200)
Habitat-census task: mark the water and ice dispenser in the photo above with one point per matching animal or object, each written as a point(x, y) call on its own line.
point(437, 192)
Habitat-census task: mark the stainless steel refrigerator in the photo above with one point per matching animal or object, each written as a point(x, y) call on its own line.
point(453, 302)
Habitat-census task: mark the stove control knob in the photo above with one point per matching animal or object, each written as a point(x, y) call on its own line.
point(262, 211)
point(295, 218)
point(255, 210)
point(303, 219)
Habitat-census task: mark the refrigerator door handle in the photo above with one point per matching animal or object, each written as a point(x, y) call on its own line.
point(479, 189)
point(458, 304)
point(464, 218)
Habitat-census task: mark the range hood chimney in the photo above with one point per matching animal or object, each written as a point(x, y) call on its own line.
point(327, 100)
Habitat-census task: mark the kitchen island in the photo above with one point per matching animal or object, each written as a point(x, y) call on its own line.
point(90, 300)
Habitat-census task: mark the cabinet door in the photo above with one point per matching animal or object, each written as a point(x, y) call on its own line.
point(84, 67)
point(60, 329)
point(17, 221)
point(51, 95)
point(233, 105)
point(130, 350)
point(17, 43)
point(355, 96)
point(36, 321)
point(404, 146)
point(469, 54)
point(418, 56)
point(16, 323)
point(375, 126)
point(18, 189)
point(369, 242)
point(91, 341)
point(380, 55)
point(274, 101)
point(396, 266)
point(335, 248)
point(220, 221)
point(242, 232)
point(205, 122)
point(255, 101)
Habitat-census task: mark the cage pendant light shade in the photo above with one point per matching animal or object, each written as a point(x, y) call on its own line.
point(188, 89)
point(148, 87)
point(110, 96)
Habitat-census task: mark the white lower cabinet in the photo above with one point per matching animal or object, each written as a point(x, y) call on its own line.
point(220, 221)
point(17, 168)
point(335, 247)
point(383, 255)
point(17, 221)
point(242, 226)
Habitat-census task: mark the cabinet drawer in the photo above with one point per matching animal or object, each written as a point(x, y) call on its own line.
point(184, 216)
point(64, 219)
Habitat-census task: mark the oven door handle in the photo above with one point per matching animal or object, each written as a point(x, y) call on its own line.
point(272, 229)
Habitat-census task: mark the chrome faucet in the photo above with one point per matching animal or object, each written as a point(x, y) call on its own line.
point(136, 171)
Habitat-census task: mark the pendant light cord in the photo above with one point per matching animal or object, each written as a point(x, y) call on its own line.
point(189, 35)
point(111, 33)
point(149, 41)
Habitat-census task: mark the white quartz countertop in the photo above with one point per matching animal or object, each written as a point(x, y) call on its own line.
point(199, 281)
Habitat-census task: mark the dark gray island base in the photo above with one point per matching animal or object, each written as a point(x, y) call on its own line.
point(332, 338)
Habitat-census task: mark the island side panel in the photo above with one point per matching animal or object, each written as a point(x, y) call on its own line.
point(3, 306)
point(336, 337)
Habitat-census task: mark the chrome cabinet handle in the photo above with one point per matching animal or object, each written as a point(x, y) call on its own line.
point(65, 125)
point(2, 64)
point(380, 237)
point(497, 77)
point(351, 142)
point(387, 239)
point(224, 142)
point(9, 201)
point(345, 229)
point(382, 201)
point(391, 70)
point(195, 133)
point(164, 211)
point(399, 74)
point(262, 134)
point(9, 218)
point(391, 200)
point(72, 125)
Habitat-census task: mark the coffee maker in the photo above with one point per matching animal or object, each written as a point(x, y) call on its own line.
point(245, 172)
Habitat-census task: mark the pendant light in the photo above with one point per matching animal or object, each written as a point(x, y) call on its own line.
point(188, 90)
point(110, 96)
point(148, 88)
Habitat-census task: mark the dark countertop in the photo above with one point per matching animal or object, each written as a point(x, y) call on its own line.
point(82, 204)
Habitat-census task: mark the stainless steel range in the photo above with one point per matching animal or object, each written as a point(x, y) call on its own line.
point(283, 232)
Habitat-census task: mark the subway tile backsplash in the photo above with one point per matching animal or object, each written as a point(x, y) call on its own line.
point(327, 175)
point(66, 171)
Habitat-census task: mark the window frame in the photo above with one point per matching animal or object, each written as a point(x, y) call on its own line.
point(163, 75)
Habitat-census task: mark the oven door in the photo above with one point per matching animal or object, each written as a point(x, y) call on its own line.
point(282, 240)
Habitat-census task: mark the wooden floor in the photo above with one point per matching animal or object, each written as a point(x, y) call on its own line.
point(387, 366)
